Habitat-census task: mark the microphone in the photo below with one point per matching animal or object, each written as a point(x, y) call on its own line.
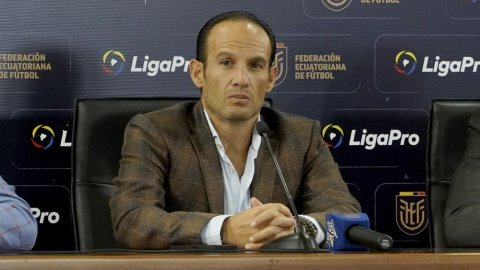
point(351, 232)
point(299, 240)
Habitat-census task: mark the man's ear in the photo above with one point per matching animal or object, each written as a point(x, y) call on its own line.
point(271, 79)
point(196, 73)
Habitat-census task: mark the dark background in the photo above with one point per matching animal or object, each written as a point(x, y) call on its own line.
point(370, 94)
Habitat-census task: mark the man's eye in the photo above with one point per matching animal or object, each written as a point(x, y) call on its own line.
point(256, 66)
point(226, 63)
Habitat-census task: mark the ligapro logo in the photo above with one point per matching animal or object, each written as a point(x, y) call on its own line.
point(333, 136)
point(371, 140)
point(43, 137)
point(405, 63)
point(114, 63)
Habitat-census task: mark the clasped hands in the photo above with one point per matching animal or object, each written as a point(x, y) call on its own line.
point(257, 226)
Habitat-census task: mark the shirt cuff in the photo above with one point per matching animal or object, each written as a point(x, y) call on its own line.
point(320, 233)
point(210, 233)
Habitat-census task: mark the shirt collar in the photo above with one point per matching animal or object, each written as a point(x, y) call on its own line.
point(256, 138)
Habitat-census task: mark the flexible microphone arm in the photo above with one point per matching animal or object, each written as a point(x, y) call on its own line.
point(263, 131)
point(299, 240)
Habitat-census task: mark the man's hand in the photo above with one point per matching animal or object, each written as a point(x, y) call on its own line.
point(269, 232)
point(258, 225)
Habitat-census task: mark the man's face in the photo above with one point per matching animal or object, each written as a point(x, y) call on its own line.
point(237, 73)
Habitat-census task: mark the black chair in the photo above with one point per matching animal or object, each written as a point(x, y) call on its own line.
point(99, 125)
point(447, 141)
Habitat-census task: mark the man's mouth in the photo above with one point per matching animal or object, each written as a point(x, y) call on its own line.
point(239, 96)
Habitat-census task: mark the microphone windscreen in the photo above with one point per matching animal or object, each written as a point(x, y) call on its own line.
point(336, 229)
point(261, 127)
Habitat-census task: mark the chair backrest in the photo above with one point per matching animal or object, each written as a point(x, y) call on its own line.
point(447, 141)
point(98, 130)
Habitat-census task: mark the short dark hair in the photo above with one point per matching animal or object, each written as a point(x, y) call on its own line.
point(231, 16)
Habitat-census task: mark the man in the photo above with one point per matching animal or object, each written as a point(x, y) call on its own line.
point(199, 173)
point(18, 227)
point(462, 209)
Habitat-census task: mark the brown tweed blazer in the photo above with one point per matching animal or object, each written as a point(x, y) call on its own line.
point(170, 182)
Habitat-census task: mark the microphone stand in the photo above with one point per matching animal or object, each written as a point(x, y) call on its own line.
point(299, 240)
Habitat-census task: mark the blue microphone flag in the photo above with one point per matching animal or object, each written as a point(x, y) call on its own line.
point(337, 226)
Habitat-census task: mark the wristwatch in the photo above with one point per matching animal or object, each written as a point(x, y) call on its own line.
point(309, 227)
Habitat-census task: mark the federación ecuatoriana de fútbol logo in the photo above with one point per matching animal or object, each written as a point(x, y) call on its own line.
point(411, 214)
point(336, 5)
point(281, 62)
point(113, 62)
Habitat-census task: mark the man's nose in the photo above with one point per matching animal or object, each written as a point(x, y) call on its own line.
point(240, 77)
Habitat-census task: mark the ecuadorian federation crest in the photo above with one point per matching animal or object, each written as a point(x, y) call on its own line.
point(281, 58)
point(336, 5)
point(411, 213)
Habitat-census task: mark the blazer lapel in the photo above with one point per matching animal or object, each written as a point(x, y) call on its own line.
point(265, 172)
point(207, 154)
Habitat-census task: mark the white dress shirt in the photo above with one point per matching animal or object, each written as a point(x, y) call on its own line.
point(237, 191)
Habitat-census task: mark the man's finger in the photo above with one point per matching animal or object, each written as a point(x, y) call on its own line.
point(257, 210)
point(255, 202)
point(273, 217)
point(284, 210)
point(269, 233)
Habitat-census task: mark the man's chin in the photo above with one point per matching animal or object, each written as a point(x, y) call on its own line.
point(239, 116)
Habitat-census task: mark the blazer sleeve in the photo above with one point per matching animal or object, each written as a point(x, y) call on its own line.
point(462, 209)
point(324, 190)
point(138, 201)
